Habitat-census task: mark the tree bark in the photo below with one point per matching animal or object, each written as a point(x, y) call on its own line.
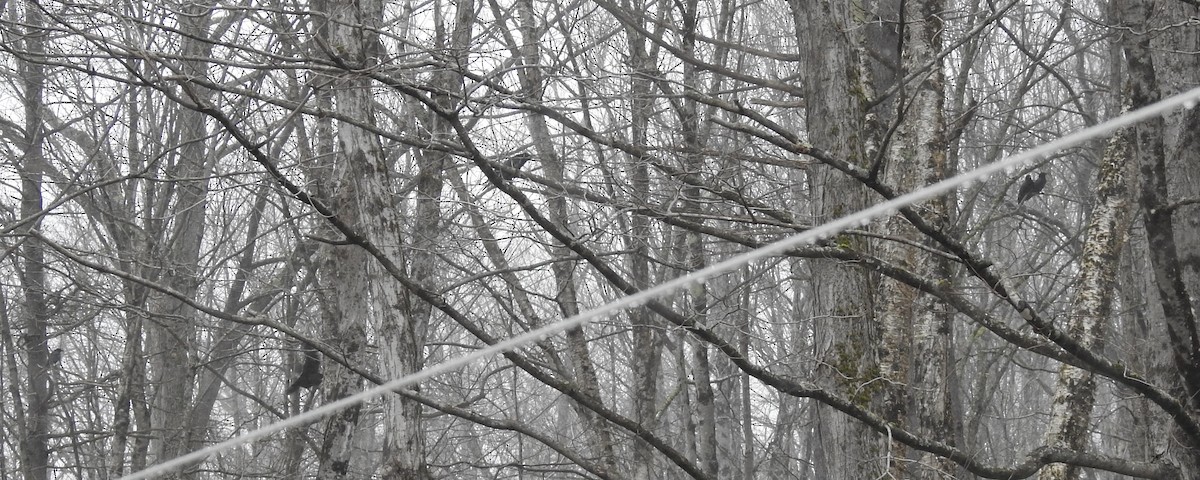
point(35, 429)
point(695, 256)
point(597, 431)
point(359, 291)
point(1165, 244)
point(846, 338)
point(845, 334)
point(1155, 200)
point(1106, 233)
point(171, 338)
point(647, 338)
point(917, 327)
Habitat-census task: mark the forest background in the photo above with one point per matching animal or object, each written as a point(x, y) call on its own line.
point(204, 202)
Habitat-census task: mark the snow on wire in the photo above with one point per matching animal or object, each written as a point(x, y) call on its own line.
point(1187, 99)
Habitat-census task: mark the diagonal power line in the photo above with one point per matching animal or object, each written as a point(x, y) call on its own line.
point(1187, 99)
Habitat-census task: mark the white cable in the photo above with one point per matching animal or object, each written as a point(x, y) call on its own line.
point(1187, 99)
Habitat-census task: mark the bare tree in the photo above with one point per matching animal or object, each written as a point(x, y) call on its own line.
point(212, 201)
point(32, 404)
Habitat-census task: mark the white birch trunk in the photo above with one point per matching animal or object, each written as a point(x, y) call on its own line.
point(917, 338)
point(362, 290)
point(1090, 310)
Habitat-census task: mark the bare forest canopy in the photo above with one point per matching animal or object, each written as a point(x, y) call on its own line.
point(218, 216)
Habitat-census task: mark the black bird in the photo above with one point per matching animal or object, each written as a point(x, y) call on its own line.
point(1031, 187)
point(515, 162)
point(310, 373)
point(55, 357)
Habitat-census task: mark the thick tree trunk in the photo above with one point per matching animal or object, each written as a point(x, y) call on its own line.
point(1178, 69)
point(362, 291)
point(1074, 396)
point(344, 312)
point(359, 290)
point(1155, 199)
point(845, 333)
point(707, 455)
point(917, 328)
point(402, 339)
point(1168, 260)
point(695, 257)
point(34, 432)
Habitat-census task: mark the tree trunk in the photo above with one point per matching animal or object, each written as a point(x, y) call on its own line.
point(845, 335)
point(597, 431)
point(1073, 399)
point(917, 327)
point(361, 289)
point(35, 429)
point(1165, 251)
point(695, 257)
point(647, 339)
point(171, 336)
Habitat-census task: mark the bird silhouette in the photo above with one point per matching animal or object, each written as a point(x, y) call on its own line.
point(55, 357)
point(310, 373)
point(514, 162)
point(1031, 187)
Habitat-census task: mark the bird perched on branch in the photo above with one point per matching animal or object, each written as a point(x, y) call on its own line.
point(515, 162)
point(1031, 187)
point(55, 357)
point(310, 373)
